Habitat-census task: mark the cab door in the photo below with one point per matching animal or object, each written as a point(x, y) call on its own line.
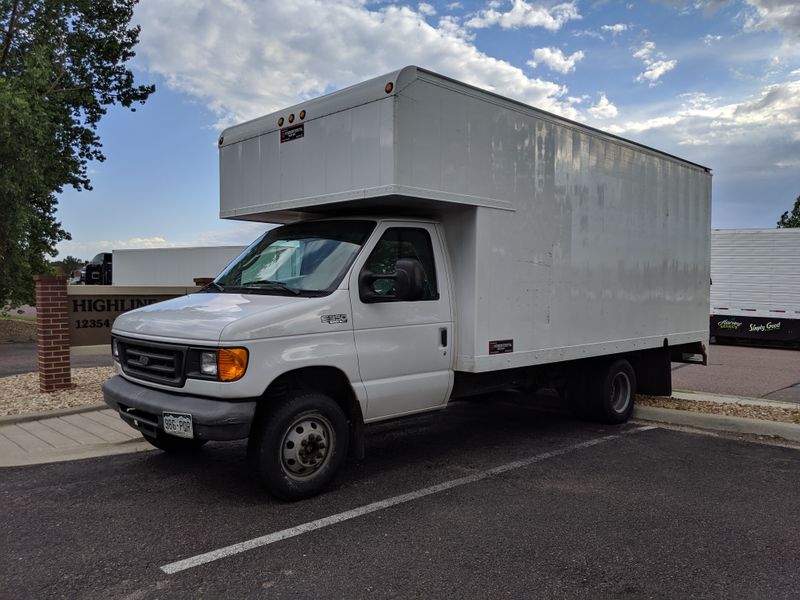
point(404, 346)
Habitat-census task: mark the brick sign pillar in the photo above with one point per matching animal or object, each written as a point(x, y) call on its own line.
point(52, 332)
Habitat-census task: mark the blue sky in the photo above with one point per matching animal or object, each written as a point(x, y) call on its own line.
point(714, 81)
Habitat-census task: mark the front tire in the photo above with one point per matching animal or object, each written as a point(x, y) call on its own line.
point(297, 447)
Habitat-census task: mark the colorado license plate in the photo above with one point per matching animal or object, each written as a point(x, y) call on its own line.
point(178, 424)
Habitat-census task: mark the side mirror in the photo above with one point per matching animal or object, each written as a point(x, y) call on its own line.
point(408, 278)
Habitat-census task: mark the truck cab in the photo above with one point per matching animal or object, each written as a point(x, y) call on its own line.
point(355, 315)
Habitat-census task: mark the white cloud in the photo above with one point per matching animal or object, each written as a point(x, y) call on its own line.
point(525, 14)
point(454, 6)
point(783, 15)
point(426, 9)
point(603, 109)
point(616, 28)
point(655, 63)
point(555, 60)
point(266, 65)
point(655, 70)
point(87, 249)
point(772, 114)
point(710, 39)
point(231, 233)
point(646, 51)
point(588, 33)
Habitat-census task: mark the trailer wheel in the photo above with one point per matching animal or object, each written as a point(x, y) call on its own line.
point(297, 447)
point(175, 445)
point(615, 392)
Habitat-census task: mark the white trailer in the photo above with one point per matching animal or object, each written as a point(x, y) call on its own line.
point(755, 292)
point(441, 241)
point(170, 266)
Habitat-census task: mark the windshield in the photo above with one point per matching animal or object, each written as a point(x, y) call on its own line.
point(302, 259)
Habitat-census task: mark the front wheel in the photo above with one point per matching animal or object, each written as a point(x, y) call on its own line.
point(298, 445)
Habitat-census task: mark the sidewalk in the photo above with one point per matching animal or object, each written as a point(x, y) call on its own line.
point(67, 435)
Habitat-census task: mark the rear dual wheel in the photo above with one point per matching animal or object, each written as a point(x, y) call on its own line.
point(298, 445)
point(606, 393)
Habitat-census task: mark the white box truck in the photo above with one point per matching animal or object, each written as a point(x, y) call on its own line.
point(439, 241)
point(755, 291)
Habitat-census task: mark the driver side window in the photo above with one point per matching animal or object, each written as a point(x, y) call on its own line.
point(397, 243)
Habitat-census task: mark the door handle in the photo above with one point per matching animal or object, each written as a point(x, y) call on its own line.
point(443, 337)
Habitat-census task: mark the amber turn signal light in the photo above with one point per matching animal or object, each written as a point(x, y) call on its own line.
point(232, 363)
point(302, 115)
point(280, 122)
point(389, 87)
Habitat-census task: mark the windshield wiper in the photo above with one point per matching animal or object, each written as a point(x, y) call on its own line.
point(278, 284)
point(212, 284)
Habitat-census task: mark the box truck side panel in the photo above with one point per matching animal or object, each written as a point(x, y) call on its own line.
point(584, 244)
point(756, 272)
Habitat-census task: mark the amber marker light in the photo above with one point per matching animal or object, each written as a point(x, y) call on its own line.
point(232, 363)
point(291, 118)
point(280, 122)
point(389, 87)
point(221, 139)
point(302, 115)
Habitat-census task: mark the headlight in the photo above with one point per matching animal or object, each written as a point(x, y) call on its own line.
point(225, 364)
point(208, 363)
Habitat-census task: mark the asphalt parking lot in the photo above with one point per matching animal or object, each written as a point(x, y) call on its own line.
point(768, 373)
point(528, 504)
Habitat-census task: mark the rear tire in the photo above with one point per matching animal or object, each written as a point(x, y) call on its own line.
point(298, 445)
point(614, 389)
point(175, 445)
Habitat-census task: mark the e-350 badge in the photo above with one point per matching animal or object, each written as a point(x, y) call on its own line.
point(333, 319)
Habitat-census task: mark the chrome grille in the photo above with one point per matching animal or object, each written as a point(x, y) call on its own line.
point(160, 363)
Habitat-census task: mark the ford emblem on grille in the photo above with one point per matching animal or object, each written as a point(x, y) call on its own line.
point(143, 360)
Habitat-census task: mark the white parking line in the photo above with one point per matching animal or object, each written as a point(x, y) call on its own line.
point(284, 534)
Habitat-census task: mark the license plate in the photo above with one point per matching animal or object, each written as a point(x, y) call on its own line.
point(178, 424)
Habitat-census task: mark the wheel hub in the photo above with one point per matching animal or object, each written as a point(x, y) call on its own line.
point(306, 446)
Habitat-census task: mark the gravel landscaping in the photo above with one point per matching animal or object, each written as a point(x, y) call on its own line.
point(14, 329)
point(19, 394)
point(765, 413)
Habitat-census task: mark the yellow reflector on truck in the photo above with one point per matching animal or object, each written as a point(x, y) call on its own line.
point(232, 363)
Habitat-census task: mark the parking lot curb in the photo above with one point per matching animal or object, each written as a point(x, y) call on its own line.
point(727, 399)
point(62, 412)
point(82, 452)
point(787, 431)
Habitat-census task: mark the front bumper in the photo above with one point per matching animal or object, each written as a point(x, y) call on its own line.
point(141, 408)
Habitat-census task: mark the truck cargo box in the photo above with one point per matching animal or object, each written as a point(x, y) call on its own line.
point(755, 296)
point(566, 242)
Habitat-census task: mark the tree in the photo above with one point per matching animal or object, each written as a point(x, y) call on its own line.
point(791, 219)
point(66, 266)
point(62, 63)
